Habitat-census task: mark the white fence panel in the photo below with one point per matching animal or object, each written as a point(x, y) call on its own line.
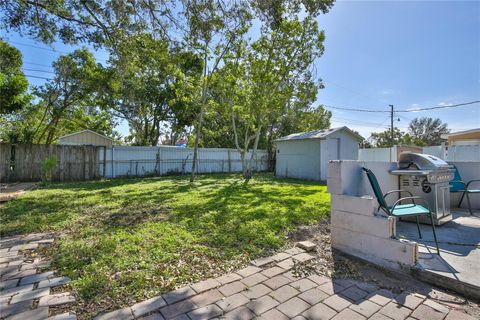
point(130, 161)
point(437, 151)
point(463, 153)
point(378, 154)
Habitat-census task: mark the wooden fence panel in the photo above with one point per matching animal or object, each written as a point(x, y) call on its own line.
point(5, 155)
point(74, 163)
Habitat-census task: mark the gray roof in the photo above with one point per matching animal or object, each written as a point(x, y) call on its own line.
point(319, 134)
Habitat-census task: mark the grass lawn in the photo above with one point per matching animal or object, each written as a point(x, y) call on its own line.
point(130, 239)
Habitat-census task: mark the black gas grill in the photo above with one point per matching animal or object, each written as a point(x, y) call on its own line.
point(427, 176)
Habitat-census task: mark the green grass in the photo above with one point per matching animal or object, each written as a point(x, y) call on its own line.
point(127, 240)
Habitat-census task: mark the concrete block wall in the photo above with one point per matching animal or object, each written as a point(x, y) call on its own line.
point(356, 226)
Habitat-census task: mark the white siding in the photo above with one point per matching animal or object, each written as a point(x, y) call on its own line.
point(338, 146)
point(308, 158)
point(298, 159)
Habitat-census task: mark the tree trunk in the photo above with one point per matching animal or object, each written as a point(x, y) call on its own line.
point(249, 173)
point(200, 117)
point(270, 154)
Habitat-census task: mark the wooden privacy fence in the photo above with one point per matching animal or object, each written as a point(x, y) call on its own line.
point(24, 162)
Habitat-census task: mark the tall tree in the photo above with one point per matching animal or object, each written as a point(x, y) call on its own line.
point(214, 27)
point(383, 139)
point(68, 100)
point(153, 86)
point(13, 83)
point(107, 22)
point(266, 80)
point(427, 131)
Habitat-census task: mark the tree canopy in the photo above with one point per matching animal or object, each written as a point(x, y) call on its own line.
point(173, 65)
point(13, 83)
point(421, 132)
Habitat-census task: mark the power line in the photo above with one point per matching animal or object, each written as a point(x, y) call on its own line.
point(45, 48)
point(37, 77)
point(407, 110)
point(441, 107)
point(355, 109)
point(37, 70)
point(38, 47)
point(38, 64)
point(355, 121)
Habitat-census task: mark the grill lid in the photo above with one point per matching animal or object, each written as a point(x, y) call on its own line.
point(421, 161)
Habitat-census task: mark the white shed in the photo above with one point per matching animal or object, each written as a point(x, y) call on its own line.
point(305, 155)
point(85, 137)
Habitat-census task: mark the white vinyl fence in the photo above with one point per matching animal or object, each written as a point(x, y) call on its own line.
point(378, 154)
point(463, 153)
point(437, 151)
point(450, 153)
point(130, 161)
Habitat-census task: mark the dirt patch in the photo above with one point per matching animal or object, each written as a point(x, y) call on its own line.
point(332, 264)
point(9, 191)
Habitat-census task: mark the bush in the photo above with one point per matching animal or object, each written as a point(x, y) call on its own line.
point(47, 167)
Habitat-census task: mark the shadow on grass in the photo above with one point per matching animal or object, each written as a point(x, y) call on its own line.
point(143, 236)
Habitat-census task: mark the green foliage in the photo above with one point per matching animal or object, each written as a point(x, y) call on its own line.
point(13, 83)
point(128, 240)
point(153, 86)
point(421, 132)
point(67, 103)
point(155, 79)
point(427, 131)
point(47, 167)
point(267, 86)
point(383, 139)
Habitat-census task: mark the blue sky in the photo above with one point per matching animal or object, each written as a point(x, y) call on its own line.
point(411, 54)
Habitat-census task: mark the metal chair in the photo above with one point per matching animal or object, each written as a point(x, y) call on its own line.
point(401, 210)
point(458, 185)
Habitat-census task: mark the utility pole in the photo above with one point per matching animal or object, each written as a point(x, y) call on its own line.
point(391, 124)
point(391, 132)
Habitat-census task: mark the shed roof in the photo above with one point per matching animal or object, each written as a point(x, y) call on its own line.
point(319, 134)
point(90, 131)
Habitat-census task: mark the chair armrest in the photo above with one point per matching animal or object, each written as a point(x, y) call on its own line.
point(399, 192)
point(468, 183)
point(413, 202)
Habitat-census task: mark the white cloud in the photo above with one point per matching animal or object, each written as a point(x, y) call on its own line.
point(414, 107)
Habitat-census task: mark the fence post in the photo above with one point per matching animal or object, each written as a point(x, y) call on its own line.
point(229, 162)
point(158, 162)
point(113, 161)
point(104, 161)
point(62, 163)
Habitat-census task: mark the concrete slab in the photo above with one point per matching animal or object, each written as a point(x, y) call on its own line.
point(458, 266)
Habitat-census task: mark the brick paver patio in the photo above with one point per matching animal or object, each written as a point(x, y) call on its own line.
point(268, 289)
point(26, 283)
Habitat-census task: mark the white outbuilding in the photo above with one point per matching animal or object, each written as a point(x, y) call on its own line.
point(305, 155)
point(85, 137)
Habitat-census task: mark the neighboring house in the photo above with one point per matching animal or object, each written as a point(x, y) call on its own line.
point(85, 137)
point(306, 155)
point(467, 137)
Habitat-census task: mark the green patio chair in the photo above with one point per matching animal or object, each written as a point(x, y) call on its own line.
point(458, 185)
point(401, 210)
